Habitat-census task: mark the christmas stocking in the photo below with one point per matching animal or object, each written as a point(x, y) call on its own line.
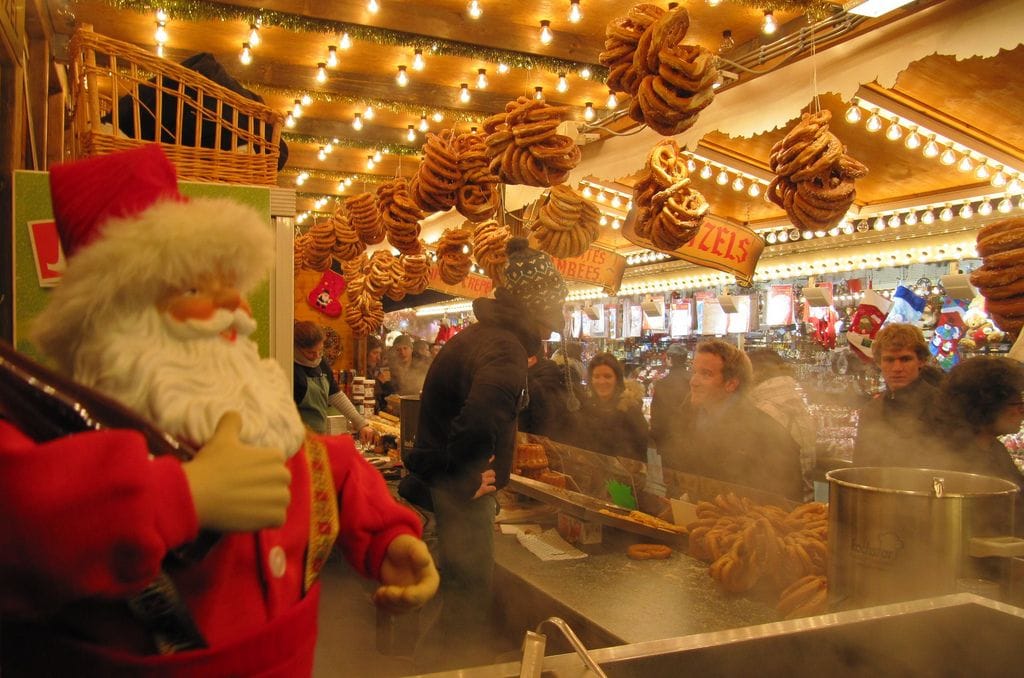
point(906, 307)
point(866, 322)
point(326, 295)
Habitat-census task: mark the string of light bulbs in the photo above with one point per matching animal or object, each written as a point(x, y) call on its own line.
point(724, 174)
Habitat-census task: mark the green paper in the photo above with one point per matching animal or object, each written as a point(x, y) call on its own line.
point(621, 494)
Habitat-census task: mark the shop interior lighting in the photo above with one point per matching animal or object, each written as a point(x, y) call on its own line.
point(332, 56)
point(502, 68)
point(538, 92)
point(402, 78)
point(377, 156)
point(424, 125)
point(410, 134)
point(372, 6)
point(769, 26)
point(588, 111)
point(160, 36)
point(345, 42)
point(254, 35)
point(357, 122)
point(321, 72)
point(246, 54)
point(301, 178)
point(370, 164)
point(306, 100)
point(612, 102)
point(368, 113)
point(740, 179)
point(873, 8)
point(546, 36)
point(585, 73)
point(575, 14)
point(418, 62)
point(297, 109)
point(563, 84)
point(464, 93)
point(481, 78)
point(950, 146)
point(474, 10)
point(289, 120)
point(321, 155)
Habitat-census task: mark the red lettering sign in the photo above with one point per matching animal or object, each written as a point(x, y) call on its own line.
point(47, 252)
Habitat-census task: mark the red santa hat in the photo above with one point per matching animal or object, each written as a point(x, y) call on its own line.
point(131, 237)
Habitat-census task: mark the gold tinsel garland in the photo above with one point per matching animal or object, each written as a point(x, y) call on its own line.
point(191, 10)
point(815, 10)
point(357, 177)
point(389, 149)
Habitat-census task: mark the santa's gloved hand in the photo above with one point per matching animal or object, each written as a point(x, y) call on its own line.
point(407, 574)
point(237, 487)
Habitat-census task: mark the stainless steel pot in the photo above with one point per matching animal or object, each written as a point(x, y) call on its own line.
point(900, 534)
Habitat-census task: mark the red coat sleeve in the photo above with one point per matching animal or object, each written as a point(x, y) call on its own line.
point(370, 518)
point(90, 514)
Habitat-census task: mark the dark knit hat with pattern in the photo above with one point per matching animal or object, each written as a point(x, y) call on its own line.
point(533, 281)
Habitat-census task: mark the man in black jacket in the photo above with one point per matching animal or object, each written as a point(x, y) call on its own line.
point(669, 393)
point(465, 442)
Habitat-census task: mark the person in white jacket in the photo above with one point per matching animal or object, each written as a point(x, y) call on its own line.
point(777, 394)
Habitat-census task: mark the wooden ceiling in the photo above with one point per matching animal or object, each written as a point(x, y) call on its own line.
point(979, 97)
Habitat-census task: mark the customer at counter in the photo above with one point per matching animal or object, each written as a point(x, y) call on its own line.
point(893, 428)
point(980, 400)
point(547, 412)
point(465, 443)
point(611, 420)
point(669, 391)
point(719, 433)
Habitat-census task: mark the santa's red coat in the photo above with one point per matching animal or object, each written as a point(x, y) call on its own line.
point(88, 518)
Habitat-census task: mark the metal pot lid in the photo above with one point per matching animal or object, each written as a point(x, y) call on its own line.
point(921, 482)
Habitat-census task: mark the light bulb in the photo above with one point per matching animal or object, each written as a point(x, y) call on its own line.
point(931, 149)
point(377, 156)
point(714, 3)
point(894, 221)
point(301, 178)
point(538, 93)
point(341, 186)
point(998, 179)
point(161, 33)
point(616, 201)
point(357, 122)
point(369, 162)
point(345, 42)
point(332, 56)
point(372, 6)
point(438, 116)
point(705, 171)
point(563, 84)
point(910, 219)
point(297, 109)
point(723, 178)
point(161, 15)
point(807, 235)
point(1004, 206)
point(738, 184)
point(321, 154)
point(348, 181)
point(474, 10)
point(769, 26)
point(159, 51)
point(874, 122)
point(424, 126)
point(306, 100)
point(948, 156)
point(368, 113)
point(985, 208)
point(771, 238)
point(588, 111)
point(946, 214)
point(893, 131)
point(321, 72)
point(289, 121)
point(913, 140)
point(728, 42)
point(585, 73)
point(246, 56)
point(966, 211)
point(612, 102)
point(853, 113)
point(965, 164)
point(753, 190)
point(603, 220)
point(410, 133)
point(545, 32)
point(575, 14)
point(981, 172)
point(402, 78)
point(502, 68)
point(418, 62)
point(878, 224)
point(600, 196)
point(928, 217)
point(1013, 186)
point(481, 78)
point(254, 35)
point(616, 224)
point(783, 236)
point(464, 93)
point(586, 192)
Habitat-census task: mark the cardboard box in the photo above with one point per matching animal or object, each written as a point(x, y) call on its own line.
point(576, 531)
point(683, 512)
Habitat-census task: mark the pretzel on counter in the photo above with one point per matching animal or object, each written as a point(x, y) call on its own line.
point(567, 224)
point(400, 215)
point(453, 255)
point(489, 242)
point(365, 217)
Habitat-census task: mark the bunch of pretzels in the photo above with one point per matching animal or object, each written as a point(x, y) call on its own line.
point(400, 215)
point(567, 224)
point(320, 246)
point(523, 146)
point(489, 241)
point(347, 244)
point(748, 543)
point(453, 255)
point(669, 210)
point(1000, 278)
point(814, 177)
point(671, 83)
point(477, 199)
point(364, 216)
point(363, 311)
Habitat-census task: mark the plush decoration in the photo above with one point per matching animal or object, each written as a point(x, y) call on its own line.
point(866, 322)
point(325, 297)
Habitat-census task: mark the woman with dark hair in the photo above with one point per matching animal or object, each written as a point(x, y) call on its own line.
point(980, 400)
point(611, 421)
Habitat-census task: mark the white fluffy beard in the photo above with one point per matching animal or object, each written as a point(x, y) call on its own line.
point(183, 376)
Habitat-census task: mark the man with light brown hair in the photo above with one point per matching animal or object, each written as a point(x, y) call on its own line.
point(721, 434)
point(891, 430)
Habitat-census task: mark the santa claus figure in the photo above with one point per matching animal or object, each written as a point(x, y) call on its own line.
point(152, 311)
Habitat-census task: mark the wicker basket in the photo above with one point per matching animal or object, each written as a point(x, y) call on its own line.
point(209, 132)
